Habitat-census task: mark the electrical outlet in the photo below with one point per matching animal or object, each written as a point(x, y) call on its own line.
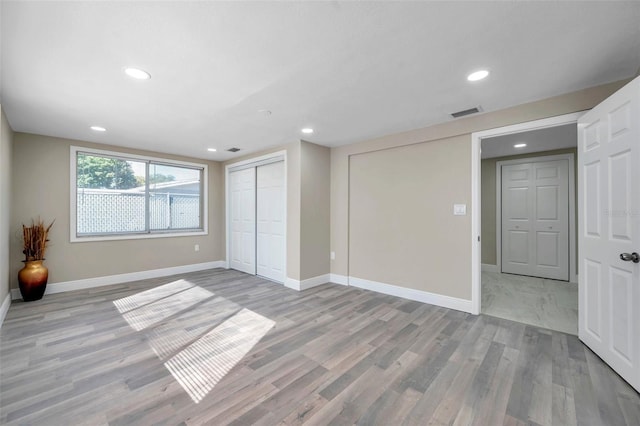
point(196, 247)
point(333, 255)
point(459, 209)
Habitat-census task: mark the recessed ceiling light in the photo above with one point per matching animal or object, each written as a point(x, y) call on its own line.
point(137, 73)
point(211, 149)
point(307, 130)
point(98, 129)
point(478, 75)
point(520, 145)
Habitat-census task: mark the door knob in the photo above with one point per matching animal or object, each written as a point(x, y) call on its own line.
point(633, 257)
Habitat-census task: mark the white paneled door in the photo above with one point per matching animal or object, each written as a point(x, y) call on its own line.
point(535, 219)
point(242, 220)
point(270, 214)
point(609, 231)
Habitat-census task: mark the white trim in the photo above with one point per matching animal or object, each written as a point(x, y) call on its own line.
point(265, 160)
point(254, 160)
point(306, 284)
point(476, 226)
point(73, 238)
point(276, 156)
point(573, 277)
point(292, 284)
point(476, 139)
point(487, 267)
point(6, 303)
point(338, 279)
point(123, 278)
point(412, 294)
point(315, 281)
point(142, 236)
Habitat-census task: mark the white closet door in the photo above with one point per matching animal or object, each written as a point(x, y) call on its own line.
point(535, 219)
point(242, 218)
point(517, 223)
point(271, 221)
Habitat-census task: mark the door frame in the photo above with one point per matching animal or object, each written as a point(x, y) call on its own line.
point(245, 164)
point(573, 272)
point(476, 143)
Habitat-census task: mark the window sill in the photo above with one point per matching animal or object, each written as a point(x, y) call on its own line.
point(75, 239)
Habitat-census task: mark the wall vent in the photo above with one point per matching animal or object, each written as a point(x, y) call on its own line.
point(466, 112)
point(233, 149)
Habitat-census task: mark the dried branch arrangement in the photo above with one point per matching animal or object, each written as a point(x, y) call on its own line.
point(35, 239)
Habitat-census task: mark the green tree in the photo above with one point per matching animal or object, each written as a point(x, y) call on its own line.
point(160, 178)
point(157, 178)
point(104, 173)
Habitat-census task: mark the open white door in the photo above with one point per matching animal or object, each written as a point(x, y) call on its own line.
point(609, 231)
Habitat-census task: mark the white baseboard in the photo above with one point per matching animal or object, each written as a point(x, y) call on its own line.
point(306, 284)
point(123, 278)
point(487, 267)
point(412, 294)
point(4, 308)
point(339, 279)
point(292, 284)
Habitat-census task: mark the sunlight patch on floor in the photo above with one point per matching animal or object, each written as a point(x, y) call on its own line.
point(195, 354)
point(200, 366)
point(170, 337)
point(137, 300)
point(154, 308)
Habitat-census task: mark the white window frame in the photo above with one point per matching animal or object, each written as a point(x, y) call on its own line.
point(74, 238)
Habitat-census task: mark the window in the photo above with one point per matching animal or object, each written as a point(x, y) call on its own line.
point(117, 196)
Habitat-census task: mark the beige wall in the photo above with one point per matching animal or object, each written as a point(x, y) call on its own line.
point(401, 228)
point(40, 188)
point(450, 135)
point(315, 197)
point(488, 213)
point(308, 197)
point(6, 142)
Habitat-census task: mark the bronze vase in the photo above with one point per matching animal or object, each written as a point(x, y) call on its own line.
point(33, 280)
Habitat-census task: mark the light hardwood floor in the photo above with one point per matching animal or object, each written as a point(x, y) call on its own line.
point(221, 347)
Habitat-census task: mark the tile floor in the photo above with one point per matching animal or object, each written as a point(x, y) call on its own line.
point(536, 301)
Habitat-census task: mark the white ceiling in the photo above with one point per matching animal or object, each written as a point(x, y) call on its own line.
point(350, 70)
point(558, 137)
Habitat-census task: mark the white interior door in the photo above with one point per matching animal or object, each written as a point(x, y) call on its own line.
point(242, 220)
point(535, 219)
point(271, 221)
point(609, 220)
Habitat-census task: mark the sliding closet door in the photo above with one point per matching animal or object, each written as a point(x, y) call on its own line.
point(242, 220)
point(270, 214)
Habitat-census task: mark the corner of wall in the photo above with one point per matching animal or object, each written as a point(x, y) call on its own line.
point(315, 215)
point(6, 149)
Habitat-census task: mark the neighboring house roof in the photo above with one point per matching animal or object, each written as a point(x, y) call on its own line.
point(173, 187)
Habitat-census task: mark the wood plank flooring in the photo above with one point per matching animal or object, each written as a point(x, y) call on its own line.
point(221, 347)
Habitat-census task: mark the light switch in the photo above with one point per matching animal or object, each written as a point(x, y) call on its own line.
point(459, 209)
